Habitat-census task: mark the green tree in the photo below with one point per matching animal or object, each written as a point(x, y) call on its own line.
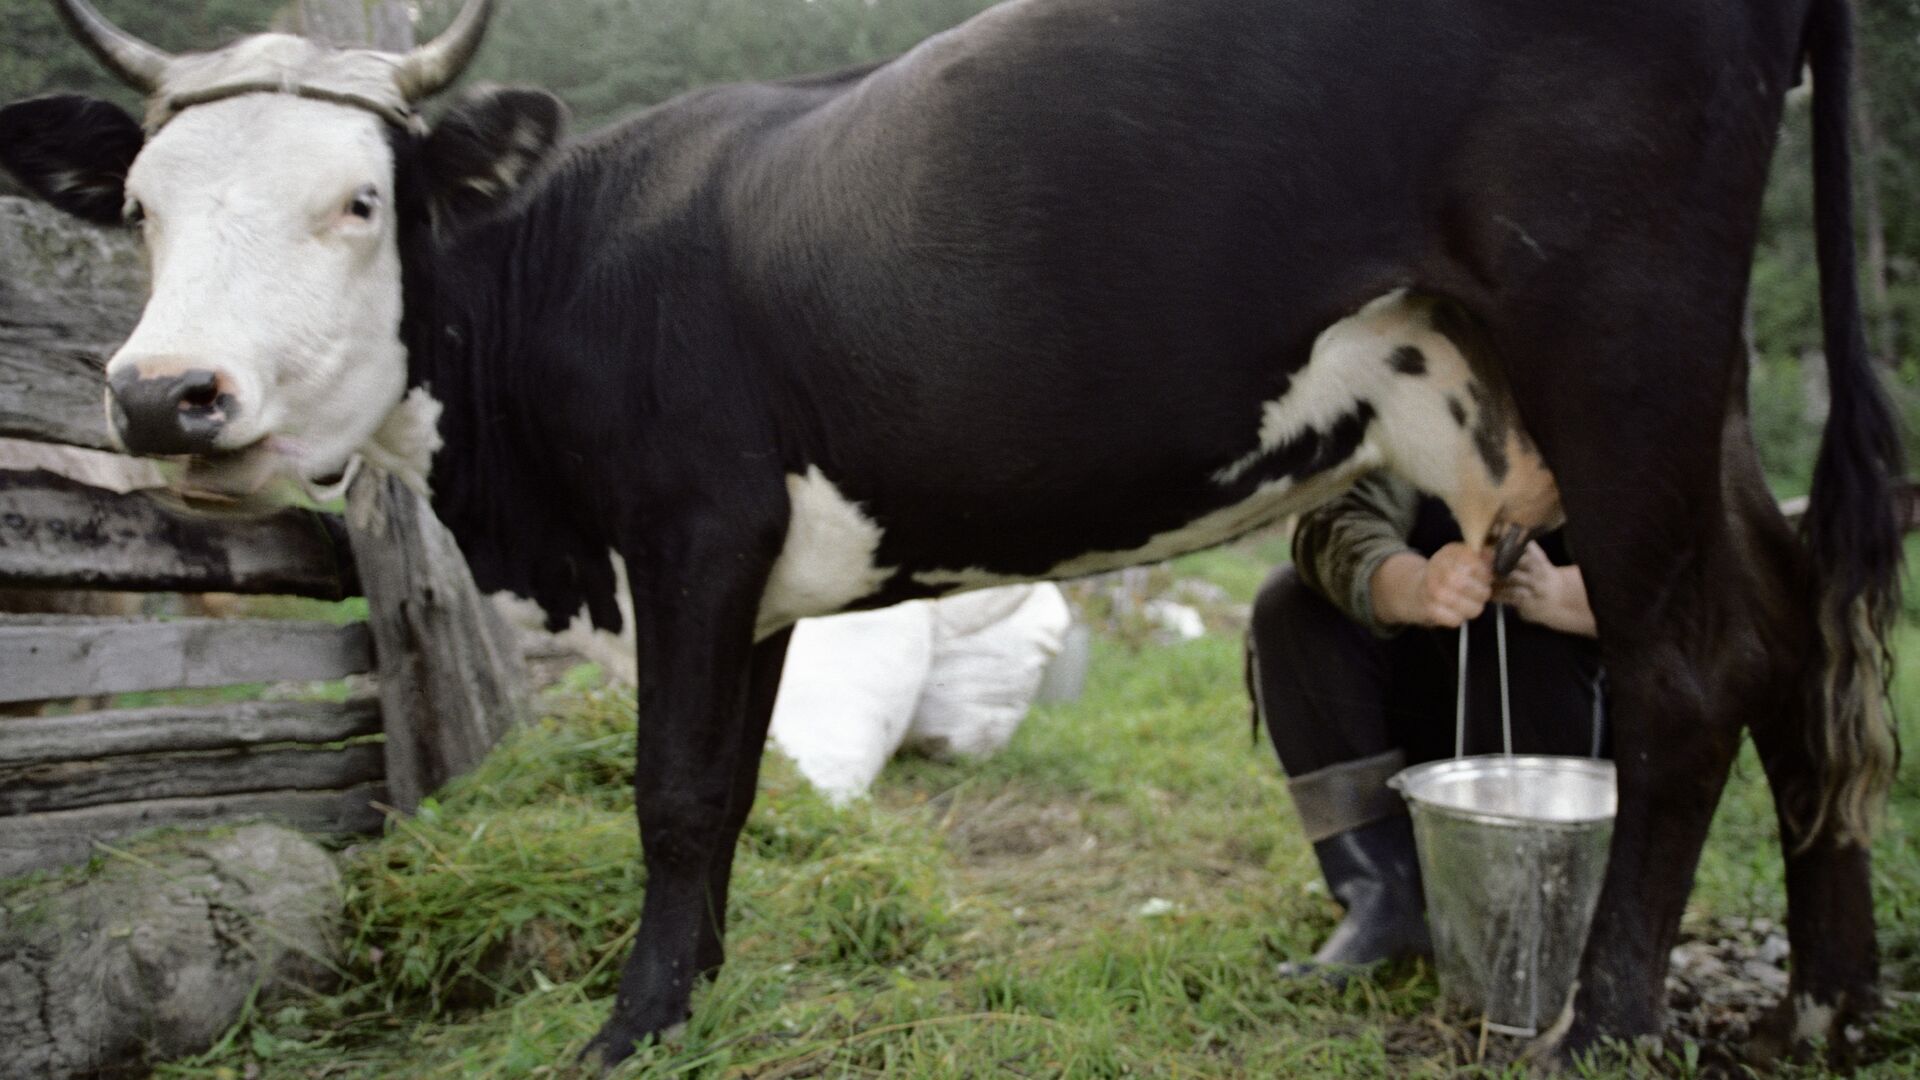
point(609, 58)
point(42, 58)
point(1787, 398)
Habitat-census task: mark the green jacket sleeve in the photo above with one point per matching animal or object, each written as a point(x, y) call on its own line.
point(1338, 546)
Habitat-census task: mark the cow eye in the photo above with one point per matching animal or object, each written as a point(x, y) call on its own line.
point(133, 213)
point(364, 203)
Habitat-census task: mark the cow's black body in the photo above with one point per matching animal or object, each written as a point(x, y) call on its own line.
point(1021, 292)
point(1020, 295)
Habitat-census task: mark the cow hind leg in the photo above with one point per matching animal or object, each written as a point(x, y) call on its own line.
point(1705, 603)
point(1626, 389)
point(1830, 921)
point(1674, 746)
point(1745, 655)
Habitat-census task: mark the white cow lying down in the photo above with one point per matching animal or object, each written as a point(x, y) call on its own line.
point(950, 677)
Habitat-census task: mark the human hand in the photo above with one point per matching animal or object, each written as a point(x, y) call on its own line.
point(1553, 596)
point(1447, 589)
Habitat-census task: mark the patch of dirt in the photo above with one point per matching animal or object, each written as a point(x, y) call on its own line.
point(1007, 826)
point(1037, 866)
point(1719, 986)
point(1450, 1040)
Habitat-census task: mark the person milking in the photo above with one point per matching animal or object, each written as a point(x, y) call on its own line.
point(1352, 660)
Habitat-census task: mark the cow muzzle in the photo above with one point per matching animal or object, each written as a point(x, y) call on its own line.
point(176, 412)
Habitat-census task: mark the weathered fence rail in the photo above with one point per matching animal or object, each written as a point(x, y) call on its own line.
point(60, 533)
point(1906, 505)
point(68, 783)
point(65, 656)
point(34, 841)
point(45, 740)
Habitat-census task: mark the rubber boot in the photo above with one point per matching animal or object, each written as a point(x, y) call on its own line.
point(1374, 873)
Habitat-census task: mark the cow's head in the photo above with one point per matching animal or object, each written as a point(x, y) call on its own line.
point(263, 184)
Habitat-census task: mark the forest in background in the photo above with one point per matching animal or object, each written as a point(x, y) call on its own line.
point(607, 58)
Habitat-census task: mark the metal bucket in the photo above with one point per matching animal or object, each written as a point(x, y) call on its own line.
point(1512, 853)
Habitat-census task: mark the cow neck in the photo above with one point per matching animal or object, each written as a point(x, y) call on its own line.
point(472, 300)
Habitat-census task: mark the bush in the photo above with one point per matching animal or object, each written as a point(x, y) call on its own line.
point(1787, 438)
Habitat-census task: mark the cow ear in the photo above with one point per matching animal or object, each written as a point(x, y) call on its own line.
point(488, 144)
point(73, 152)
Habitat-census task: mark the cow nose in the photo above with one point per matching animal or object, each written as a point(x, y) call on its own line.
point(180, 412)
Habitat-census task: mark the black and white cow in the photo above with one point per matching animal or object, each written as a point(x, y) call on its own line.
point(1079, 284)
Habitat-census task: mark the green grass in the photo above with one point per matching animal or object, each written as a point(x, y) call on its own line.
point(1239, 567)
point(971, 920)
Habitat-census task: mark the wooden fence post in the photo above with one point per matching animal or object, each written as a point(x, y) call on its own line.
point(450, 677)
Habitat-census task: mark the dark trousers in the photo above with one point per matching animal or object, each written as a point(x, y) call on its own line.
point(1346, 709)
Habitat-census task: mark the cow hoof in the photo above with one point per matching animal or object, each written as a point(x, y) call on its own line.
point(1574, 1044)
point(1802, 1030)
point(603, 1053)
point(1332, 976)
point(617, 1041)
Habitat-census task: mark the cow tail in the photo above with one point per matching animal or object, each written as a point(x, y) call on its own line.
point(1850, 527)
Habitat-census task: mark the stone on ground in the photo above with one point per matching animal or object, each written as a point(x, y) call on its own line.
point(152, 956)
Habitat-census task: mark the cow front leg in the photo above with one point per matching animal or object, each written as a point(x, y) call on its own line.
point(698, 744)
point(763, 685)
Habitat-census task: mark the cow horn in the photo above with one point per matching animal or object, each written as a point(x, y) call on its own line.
point(428, 69)
point(138, 64)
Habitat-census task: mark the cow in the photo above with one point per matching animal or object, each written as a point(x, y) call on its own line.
point(1077, 284)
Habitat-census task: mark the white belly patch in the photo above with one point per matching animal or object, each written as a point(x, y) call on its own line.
point(827, 561)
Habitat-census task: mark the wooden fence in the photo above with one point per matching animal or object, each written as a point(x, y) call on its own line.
point(446, 673)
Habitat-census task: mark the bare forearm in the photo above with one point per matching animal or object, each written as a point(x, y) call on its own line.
point(1396, 589)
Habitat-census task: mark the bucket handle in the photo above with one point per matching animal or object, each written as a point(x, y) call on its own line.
point(1460, 696)
point(1506, 704)
point(1460, 700)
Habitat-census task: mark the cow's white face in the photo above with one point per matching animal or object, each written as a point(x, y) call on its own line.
point(263, 181)
point(271, 343)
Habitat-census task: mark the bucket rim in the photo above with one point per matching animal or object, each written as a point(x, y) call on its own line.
point(1406, 779)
